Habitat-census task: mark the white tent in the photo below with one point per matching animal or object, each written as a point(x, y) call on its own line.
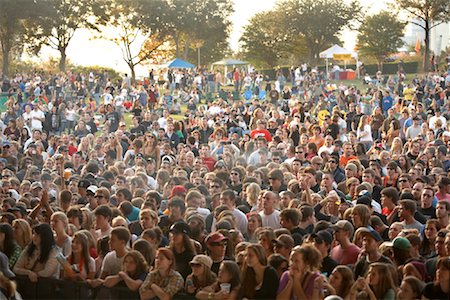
point(334, 50)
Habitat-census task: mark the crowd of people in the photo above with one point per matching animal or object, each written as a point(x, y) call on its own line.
point(311, 190)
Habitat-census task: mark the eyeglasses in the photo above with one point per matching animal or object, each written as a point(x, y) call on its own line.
point(331, 161)
point(402, 180)
point(234, 173)
point(298, 152)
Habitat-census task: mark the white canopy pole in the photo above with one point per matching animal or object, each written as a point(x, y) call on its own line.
point(326, 62)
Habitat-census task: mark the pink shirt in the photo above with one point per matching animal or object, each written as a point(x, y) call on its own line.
point(347, 256)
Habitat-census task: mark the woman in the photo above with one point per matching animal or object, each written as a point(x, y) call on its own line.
point(378, 283)
point(298, 281)
point(79, 264)
point(393, 132)
point(39, 258)
point(376, 121)
point(364, 132)
point(8, 288)
point(60, 222)
point(341, 280)
point(163, 282)
point(360, 216)
point(410, 288)
point(12, 132)
point(390, 180)
point(265, 238)
point(8, 244)
point(259, 281)
point(396, 148)
point(440, 288)
point(134, 271)
point(151, 148)
point(432, 227)
point(254, 222)
point(252, 192)
point(229, 277)
point(404, 163)
point(182, 247)
point(201, 275)
point(22, 232)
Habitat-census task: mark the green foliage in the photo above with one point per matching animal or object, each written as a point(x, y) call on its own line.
point(380, 35)
point(59, 19)
point(319, 22)
point(426, 14)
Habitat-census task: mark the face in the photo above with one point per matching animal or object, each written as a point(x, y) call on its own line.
point(441, 211)
point(251, 258)
point(427, 198)
point(296, 262)
point(36, 239)
point(56, 223)
point(162, 263)
point(77, 247)
point(253, 223)
point(336, 280)
point(406, 292)
point(356, 220)
point(218, 248)
point(443, 275)
point(146, 221)
point(176, 238)
point(430, 231)
point(268, 200)
point(373, 276)
point(129, 265)
point(223, 276)
point(394, 230)
point(417, 190)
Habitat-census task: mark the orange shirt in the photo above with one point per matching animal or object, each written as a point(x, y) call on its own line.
point(344, 160)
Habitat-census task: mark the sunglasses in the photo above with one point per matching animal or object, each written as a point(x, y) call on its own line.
point(402, 181)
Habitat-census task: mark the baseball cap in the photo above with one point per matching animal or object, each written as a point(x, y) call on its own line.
point(202, 260)
point(92, 188)
point(177, 190)
point(180, 227)
point(84, 184)
point(215, 237)
point(344, 225)
point(325, 236)
point(284, 240)
point(6, 143)
point(374, 234)
point(400, 243)
point(36, 185)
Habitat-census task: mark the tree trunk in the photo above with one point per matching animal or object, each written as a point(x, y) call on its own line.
point(62, 60)
point(177, 46)
point(5, 54)
point(133, 73)
point(380, 64)
point(427, 47)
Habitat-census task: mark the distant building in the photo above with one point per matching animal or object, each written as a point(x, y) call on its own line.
point(439, 36)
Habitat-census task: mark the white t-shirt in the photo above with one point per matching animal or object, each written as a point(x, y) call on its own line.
point(112, 264)
point(35, 123)
point(272, 220)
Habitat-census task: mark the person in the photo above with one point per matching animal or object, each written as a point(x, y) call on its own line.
point(163, 282)
point(38, 259)
point(346, 253)
point(341, 281)
point(410, 288)
point(298, 281)
point(229, 275)
point(259, 281)
point(182, 247)
point(59, 223)
point(201, 275)
point(133, 273)
point(79, 265)
point(8, 244)
point(440, 288)
point(378, 283)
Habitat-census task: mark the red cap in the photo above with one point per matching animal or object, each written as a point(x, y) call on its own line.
point(215, 237)
point(177, 190)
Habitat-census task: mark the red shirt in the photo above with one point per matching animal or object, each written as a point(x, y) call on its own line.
point(209, 162)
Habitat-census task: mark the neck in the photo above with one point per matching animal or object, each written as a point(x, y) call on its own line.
point(268, 211)
point(121, 252)
point(374, 256)
point(216, 258)
point(345, 243)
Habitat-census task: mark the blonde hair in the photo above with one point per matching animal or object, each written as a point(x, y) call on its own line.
point(252, 191)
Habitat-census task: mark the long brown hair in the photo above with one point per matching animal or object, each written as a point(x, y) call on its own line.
point(385, 280)
point(141, 264)
point(248, 273)
point(83, 239)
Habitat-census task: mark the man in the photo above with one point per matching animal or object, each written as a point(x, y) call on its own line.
point(426, 203)
point(370, 253)
point(37, 117)
point(443, 192)
point(261, 131)
point(269, 215)
point(228, 198)
point(435, 118)
point(261, 149)
point(440, 249)
point(404, 183)
point(406, 211)
point(417, 190)
point(377, 224)
point(346, 253)
point(348, 154)
point(414, 130)
point(216, 245)
point(414, 150)
point(323, 240)
point(290, 219)
point(369, 177)
point(177, 209)
point(443, 213)
point(333, 167)
point(236, 179)
point(283, 245)
point(103, 217)
point(172, 135)
point(327, 186)
point(276, 179)
point(193, 200)
point(205, 156)
point(11, 160)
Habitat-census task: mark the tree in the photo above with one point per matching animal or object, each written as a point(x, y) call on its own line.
point(12, 15)
point(380, 35)
point(319, 22)
point(59, 21)
point(426, 14)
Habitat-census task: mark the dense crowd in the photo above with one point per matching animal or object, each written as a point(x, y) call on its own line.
point(174, 187)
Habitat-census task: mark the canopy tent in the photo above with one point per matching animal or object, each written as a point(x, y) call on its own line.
point(339, 53)
point(229, 62)
point(178, 64)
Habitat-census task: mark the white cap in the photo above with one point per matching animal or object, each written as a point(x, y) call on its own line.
point(92, 188)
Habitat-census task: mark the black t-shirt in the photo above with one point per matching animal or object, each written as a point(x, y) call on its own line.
point(362, 265)
point(182, 261)
point(434, 292)
point(269, 286)
point(328, 265)
point(216, 265)
point(429, 213)
point(139, 130)
point(333, 130)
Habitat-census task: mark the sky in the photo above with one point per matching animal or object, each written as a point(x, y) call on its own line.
point(85, 50)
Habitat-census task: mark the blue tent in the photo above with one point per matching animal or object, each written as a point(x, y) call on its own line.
point(178, 64)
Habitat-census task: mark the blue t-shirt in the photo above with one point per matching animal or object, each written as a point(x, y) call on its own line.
point(387, 102)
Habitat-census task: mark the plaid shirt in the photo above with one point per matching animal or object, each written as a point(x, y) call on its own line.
point(171, 284)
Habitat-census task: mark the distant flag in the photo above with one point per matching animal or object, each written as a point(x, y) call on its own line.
point(417, 47)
